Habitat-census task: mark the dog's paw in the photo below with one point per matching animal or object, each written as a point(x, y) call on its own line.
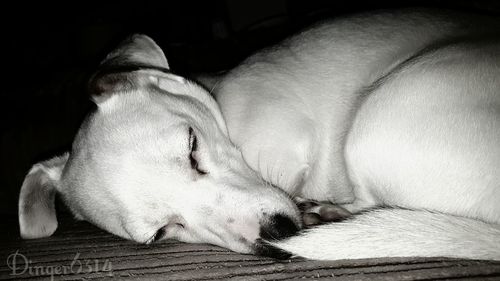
point(316, 213)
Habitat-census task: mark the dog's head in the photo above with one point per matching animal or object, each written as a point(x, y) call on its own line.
point(154, 161)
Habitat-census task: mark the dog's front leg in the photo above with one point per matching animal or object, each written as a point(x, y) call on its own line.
point(320, 212)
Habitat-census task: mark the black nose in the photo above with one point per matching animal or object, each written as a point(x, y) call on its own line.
point(278, 227)
point(275, 228)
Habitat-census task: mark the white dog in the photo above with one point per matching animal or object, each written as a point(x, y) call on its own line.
point(395, 117)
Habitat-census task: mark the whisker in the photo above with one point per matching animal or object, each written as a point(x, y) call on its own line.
point(214, 86)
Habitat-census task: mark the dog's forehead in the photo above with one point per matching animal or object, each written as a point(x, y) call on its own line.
point(140, 128)
point(125, 153)
point(134, 113)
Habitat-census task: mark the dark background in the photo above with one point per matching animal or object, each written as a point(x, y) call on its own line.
point(52, 49)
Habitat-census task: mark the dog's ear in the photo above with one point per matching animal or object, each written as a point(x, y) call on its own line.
point(116, 72)
point(37, 214)
point(136, 50)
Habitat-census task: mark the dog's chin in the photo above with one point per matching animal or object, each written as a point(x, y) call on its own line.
point(262, 248)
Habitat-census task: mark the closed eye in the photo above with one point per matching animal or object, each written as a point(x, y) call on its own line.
point(160, 233)
point(193, 145)
point(157, 236)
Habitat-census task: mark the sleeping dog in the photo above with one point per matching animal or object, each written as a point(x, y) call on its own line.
point(393, 117)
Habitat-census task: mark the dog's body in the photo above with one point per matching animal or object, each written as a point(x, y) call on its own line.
point(394, 110)
point(397, 110)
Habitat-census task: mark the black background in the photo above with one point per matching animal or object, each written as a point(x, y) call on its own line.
point(49, 51)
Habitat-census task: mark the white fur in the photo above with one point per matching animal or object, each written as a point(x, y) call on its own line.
point(398, 233)
point(390, 109)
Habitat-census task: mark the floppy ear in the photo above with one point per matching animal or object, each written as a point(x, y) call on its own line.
point(116, 72)
point(37, 214)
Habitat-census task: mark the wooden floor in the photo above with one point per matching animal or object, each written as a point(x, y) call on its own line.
point(79, 251)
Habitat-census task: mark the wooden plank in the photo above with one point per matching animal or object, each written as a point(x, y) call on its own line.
point(80, 251)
